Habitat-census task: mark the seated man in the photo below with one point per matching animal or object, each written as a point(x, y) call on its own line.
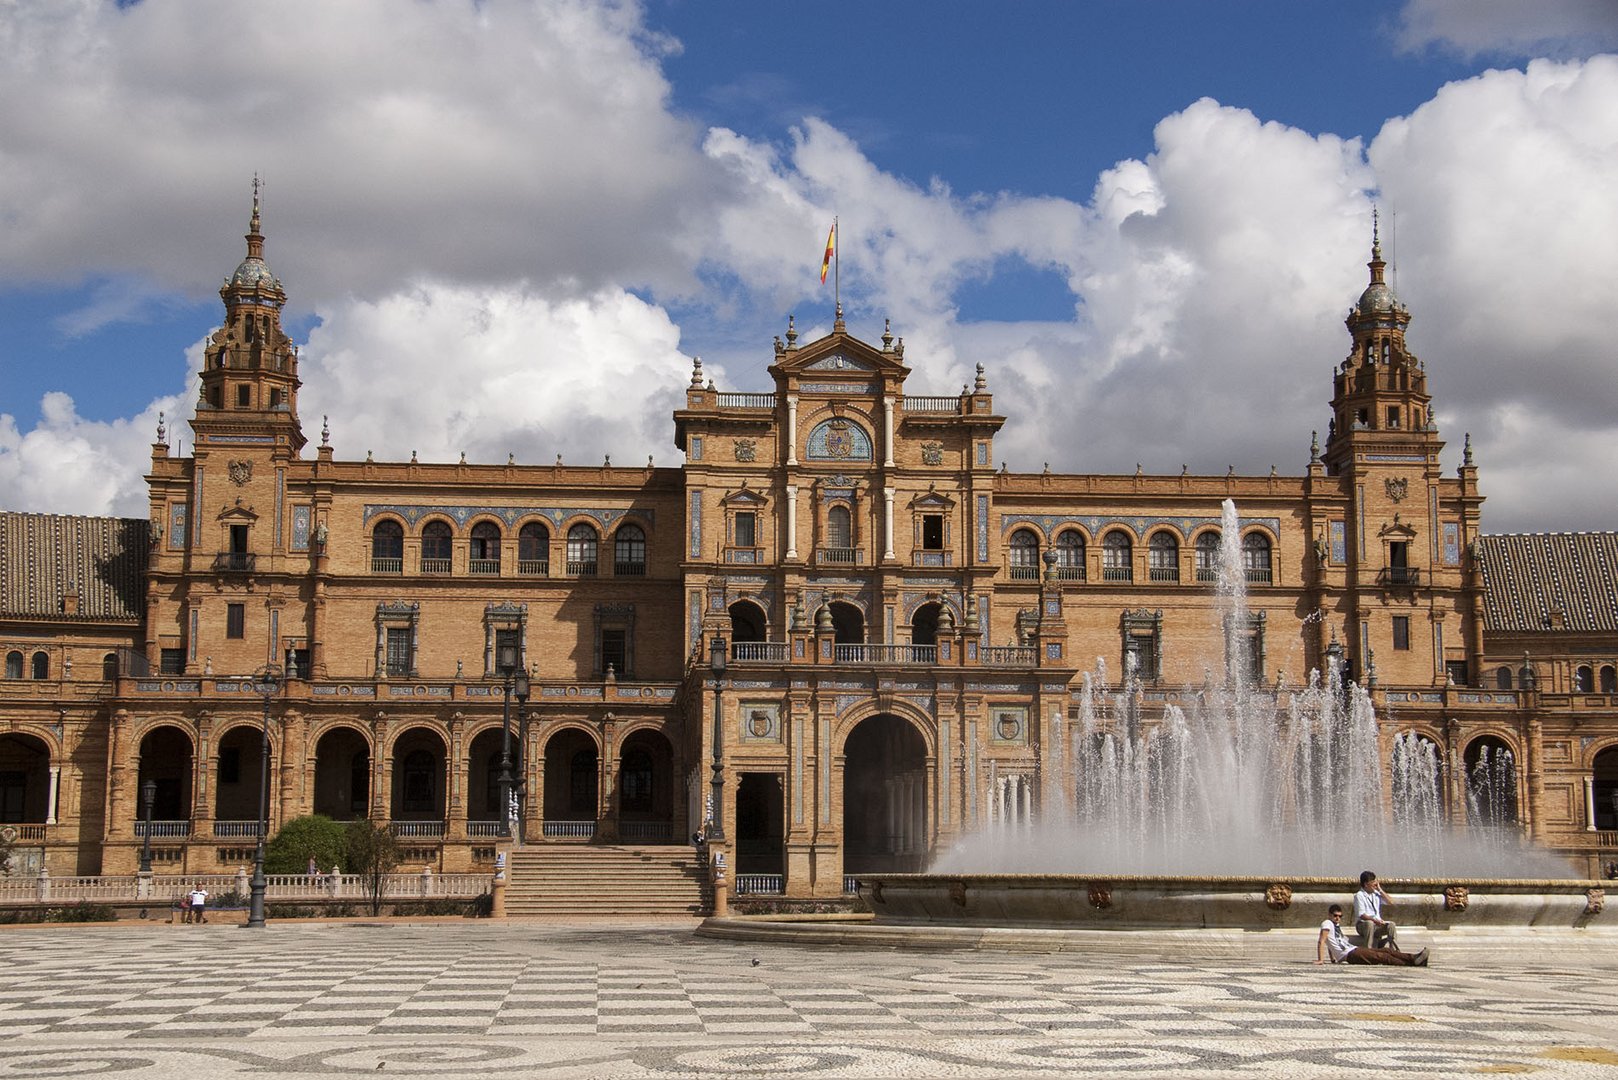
point(1373, 929)
point(1333, 941)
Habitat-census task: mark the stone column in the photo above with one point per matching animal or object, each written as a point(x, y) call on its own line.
point(1589, 803)
point(792, 521)
point(887, 523)
point(792, 429)
point(51, 796)
point(887, 431)
point(1536, 781)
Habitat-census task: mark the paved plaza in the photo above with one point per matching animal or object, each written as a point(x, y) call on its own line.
point(462, 999)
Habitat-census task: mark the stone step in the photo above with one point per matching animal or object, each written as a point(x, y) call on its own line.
point(620, 880)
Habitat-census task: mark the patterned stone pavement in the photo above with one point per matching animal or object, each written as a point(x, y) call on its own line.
point(462, 999)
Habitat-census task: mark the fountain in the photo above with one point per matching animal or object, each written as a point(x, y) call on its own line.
point(1242, 806)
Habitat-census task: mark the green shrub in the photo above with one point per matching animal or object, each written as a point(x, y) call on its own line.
point(316, 836)
point(433, 907)
point(83, 911)
point(290, 911)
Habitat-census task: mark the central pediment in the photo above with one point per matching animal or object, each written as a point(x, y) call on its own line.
point(841, 358)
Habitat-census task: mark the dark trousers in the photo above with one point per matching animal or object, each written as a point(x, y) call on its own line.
point(1381, 956)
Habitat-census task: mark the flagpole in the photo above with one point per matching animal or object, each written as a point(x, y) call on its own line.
point(837, 266)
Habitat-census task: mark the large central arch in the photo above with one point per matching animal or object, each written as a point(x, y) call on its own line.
point(885, 796)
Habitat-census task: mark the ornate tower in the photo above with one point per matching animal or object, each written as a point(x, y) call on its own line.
point(1380, 392)
point(250, 368)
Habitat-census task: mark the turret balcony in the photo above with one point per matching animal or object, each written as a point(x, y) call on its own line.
point(1399, 576)
point(234, 562)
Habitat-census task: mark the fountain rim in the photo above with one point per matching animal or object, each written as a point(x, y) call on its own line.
point(1258, 881)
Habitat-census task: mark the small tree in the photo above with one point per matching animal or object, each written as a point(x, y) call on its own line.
point(373, 853)
point(316, 836)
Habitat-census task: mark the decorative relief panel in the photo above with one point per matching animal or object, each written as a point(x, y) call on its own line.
point(838, 439)
point(1009, 725)
point(412, 513)
point(760, 721)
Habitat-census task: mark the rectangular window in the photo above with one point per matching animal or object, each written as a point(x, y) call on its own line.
point(399, 651)
point(1455, 671)
point(614, 650)
point(932, 532)
point(746, 528)
point(1399, 554)
point(235, 620)
point(171, 662)
point(298, 662)
point(1401, 633)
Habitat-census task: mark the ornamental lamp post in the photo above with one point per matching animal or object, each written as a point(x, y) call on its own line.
point(515, 677)
point(148, 797)
point(519, 785)
point(268, 681)
point(716, 663)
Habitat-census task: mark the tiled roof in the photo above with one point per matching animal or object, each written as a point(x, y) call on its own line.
point(1526, 575)
point(42, 554)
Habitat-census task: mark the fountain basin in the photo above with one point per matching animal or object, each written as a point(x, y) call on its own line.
point(1140, 902)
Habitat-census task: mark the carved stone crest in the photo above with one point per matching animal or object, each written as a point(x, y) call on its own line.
point(1397, 488)
point(240, 472)
point(957, 893)
point(1456, 897)
point(839, 439)
point(1100, 895)
point(759, 724)
point(1278, 897)
point(932, 453)
point(1594, 901)
point(746, 449)
point(876, 892)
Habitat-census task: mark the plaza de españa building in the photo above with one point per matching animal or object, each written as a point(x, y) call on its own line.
point(838, 600)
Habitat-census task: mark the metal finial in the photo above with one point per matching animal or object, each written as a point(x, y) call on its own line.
point(1376, 234)
point(257, 184)
point(325, 431)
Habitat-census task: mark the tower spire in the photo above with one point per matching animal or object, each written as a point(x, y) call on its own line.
point(255, 239)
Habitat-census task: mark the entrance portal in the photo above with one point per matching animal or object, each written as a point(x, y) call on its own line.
point(884, 798)
point(760, 824)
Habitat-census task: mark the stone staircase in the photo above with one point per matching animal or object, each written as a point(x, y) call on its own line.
point(561, 880)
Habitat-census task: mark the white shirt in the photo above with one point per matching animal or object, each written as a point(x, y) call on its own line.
point(1367, 905)
point(1336, 944)
point(199, 896)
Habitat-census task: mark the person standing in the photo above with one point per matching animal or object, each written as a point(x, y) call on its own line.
point(1335, 944)
point(199, 904)
point(1369, 903)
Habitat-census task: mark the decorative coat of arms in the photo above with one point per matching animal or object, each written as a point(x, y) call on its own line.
point(1397, 488)
point(839, 439)
point(746, 449)
point(932, 453)
point(240, 472)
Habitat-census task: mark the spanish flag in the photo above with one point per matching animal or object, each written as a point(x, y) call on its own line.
point(831, 249)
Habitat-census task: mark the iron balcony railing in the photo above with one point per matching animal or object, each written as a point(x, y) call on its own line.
point(1395, 575)
point(885, 654)
point(760, 885)
point(385, 564)
point(569, 830)
point(235, 562)
point(775, 651)
point(417, 829)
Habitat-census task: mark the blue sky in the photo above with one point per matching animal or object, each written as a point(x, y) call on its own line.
point(508, 226)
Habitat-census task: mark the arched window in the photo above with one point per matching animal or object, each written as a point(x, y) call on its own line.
point(1584, 680)
point(1024, 555)
point(13, 665)
point(1163, 554)
point(582, 542)
point(1491, 782)
point(1070, 555)
point(629, 551)
point(436, 540)
point(1208, 555)
point(1117, 557)
point(387, 548)
point(1256, 558)
point(534, 549)
point(840, 529)
point(109, 667)
point(1604, 789)
point(42, 666)
point(483, 555)
point(635, 778)
point(1609, 679)
point(420, 782)
point(1502, 678)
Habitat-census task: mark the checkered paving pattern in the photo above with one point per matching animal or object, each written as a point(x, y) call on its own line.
point(536, 999)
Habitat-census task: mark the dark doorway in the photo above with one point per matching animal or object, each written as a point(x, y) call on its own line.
point(747, 622)
point(884, 798)
point(848, 623)
point(572, 773)
point(760, 824)
point(165, 759)
point(342, 775)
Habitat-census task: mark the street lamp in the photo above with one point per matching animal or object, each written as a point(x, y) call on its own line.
point(716, 664)
point(516, 682)
point(148, 796)
point(268, 683)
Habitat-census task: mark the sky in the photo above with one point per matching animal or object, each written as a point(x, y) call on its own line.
point(508, 227)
